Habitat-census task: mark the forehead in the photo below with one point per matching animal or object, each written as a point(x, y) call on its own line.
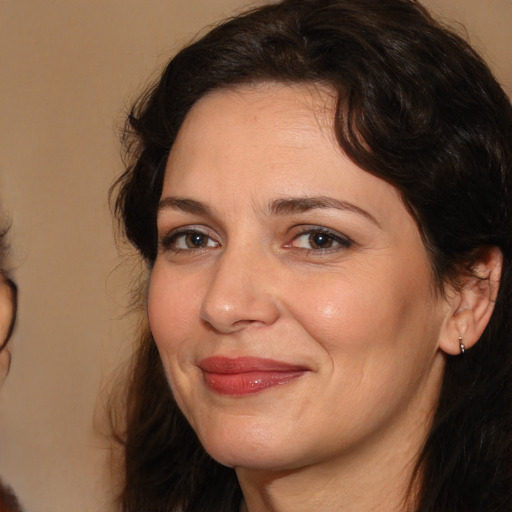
point(271, 140)
point(252, 133)
point(289, 108)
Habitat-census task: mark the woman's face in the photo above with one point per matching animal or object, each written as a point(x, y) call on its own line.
point(291, 300)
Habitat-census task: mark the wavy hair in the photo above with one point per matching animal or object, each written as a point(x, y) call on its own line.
point(416, 107)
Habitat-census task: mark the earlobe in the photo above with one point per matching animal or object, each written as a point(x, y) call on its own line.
point(471, 303)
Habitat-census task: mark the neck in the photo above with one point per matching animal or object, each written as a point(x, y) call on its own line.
point(381, 488)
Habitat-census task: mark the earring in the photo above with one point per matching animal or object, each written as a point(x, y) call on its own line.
point(461, 345)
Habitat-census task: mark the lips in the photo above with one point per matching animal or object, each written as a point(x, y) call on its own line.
point(247, 375)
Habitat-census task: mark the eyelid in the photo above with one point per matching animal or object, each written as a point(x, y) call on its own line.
point(343, 240)
point(165, 241)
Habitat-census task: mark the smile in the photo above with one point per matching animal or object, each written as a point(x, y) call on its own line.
point(247, 375)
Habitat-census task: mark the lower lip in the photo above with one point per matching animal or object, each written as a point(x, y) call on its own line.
point(248, 383)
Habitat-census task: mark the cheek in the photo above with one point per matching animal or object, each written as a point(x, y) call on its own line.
point(361, 312)
point(170, 303)
point(172, 313)
point(379, 338)
point(340, 309)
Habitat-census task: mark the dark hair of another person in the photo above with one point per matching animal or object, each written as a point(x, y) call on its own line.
point(5, 278)
point(416, 107)
point(8, 500)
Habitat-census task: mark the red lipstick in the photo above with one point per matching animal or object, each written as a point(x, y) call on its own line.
point(247, 375)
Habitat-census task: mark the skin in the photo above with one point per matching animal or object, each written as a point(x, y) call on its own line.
point(359, 311)
point(6, 312)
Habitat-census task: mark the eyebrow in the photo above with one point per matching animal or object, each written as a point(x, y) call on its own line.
point(305, 204)
point(185, 205)
point(284, 206)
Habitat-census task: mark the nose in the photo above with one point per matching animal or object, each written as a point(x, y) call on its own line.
point(242, 292)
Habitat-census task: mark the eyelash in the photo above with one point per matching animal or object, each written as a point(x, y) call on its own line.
point(169, 242)
point(332, 237)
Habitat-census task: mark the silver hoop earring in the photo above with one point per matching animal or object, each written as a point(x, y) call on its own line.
point(461, 345)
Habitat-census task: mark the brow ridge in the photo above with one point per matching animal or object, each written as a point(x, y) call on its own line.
point(282, 206)
point(286, 206)
point(184, 204)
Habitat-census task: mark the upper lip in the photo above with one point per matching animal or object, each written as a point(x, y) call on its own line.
point(227, 365)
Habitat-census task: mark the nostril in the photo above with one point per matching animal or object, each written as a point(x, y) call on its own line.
point(235, 326)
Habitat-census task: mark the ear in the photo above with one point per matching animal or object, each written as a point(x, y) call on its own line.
point(471, 302)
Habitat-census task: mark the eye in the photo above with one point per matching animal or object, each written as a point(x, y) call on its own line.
point(187, 240)
point(320, 239)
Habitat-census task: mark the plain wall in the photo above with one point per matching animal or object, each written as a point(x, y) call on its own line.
point(69, 70)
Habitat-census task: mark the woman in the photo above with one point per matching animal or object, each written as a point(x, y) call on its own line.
point(322, 192)
point(8, 303)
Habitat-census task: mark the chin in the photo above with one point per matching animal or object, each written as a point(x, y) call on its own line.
point(256, 461)
point(251, 447)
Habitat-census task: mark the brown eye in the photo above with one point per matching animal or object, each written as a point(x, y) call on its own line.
point(195, 240)
point(320, 241)
point(188, 240)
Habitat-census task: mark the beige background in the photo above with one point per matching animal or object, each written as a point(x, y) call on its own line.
point(68, 70)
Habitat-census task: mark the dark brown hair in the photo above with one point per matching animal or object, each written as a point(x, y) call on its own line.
point(8, 500)
point(416, 107)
